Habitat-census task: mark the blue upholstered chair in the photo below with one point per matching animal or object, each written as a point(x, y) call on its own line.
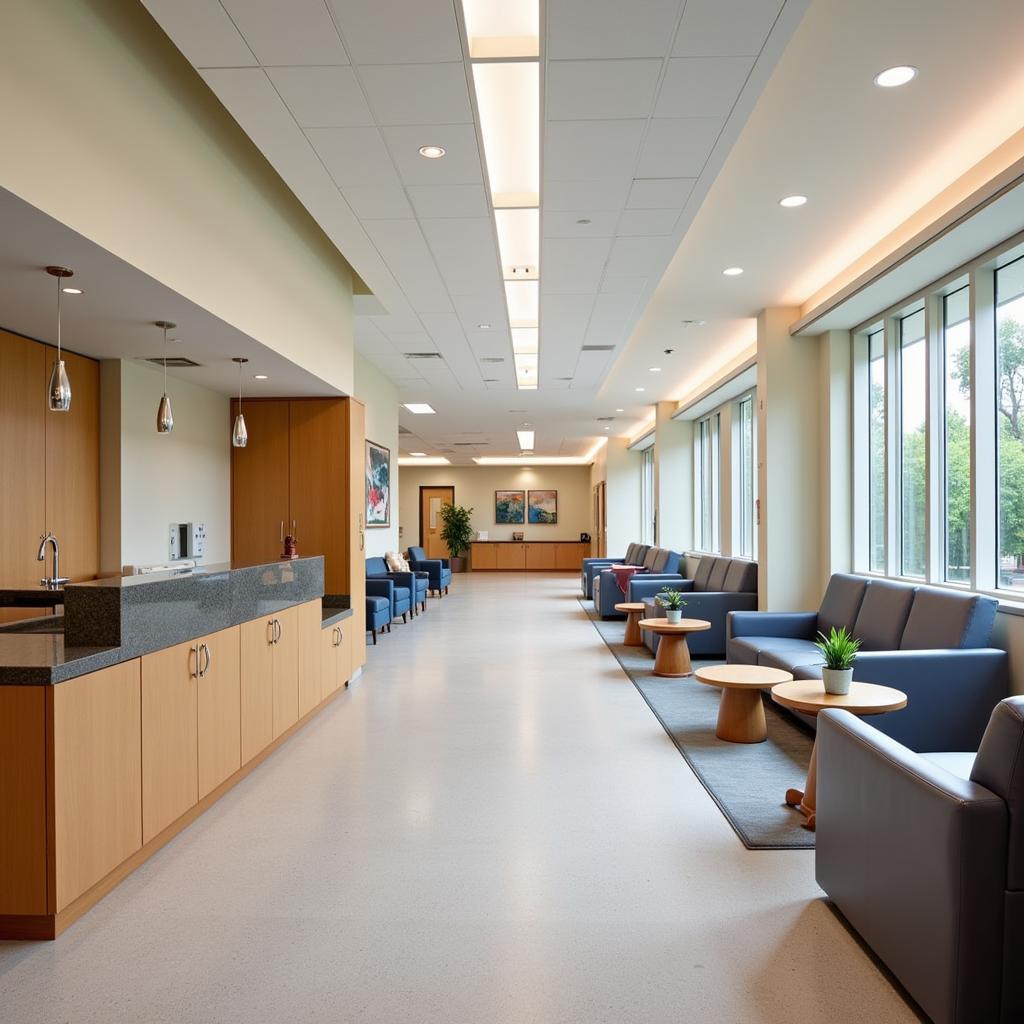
point(422, 584)
point(438, 570)
point(397, 587)
point(592, 567)
point(378, 615)
point(659, 562)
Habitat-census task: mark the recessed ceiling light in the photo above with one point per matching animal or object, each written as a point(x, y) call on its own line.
point(607, 428)
point(418, 455)
point(638, 389)
point(525, 439)
point(419, 408)
point(654, 369)
point(790, 201)
point(890, 78)
point(260, 376)
point(732, 271)
point(693, 323)
point(432, 152)
point(620, 410)
point(72, 291)
point(483, 327)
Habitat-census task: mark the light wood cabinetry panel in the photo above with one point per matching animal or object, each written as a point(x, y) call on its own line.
point(511, 556)
point(259, 483)
point(97, 775)
point(330, 662)
point(348, 638)
point(22, 799)
point(219, 709)
point(73, 467)
point(308, 621)
point(357, 528)
point(170, 739)
point(540, 556)
point(257, 686)
point(484, 556)
point(570, 556)
point(286, 671)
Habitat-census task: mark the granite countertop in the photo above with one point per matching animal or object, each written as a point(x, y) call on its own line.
point(335, 607)
point(30, 597)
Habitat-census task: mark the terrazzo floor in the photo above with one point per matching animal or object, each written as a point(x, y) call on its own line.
point(489, 826)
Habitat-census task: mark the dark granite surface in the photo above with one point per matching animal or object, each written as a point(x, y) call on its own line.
point(335, 608)
point(30, 597)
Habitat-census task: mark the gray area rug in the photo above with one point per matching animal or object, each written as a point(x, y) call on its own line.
point(747, 781)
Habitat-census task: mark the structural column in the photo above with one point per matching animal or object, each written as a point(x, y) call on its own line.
point(836, 467)
point(673, 479)
point(622, 494)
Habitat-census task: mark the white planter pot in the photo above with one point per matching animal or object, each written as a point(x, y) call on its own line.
point(837, 680)
point(673, 614)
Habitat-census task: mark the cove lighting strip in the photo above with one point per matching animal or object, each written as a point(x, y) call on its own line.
point(421, 460)
point(504, 49)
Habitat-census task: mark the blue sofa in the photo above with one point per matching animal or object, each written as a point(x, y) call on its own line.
point(657, 562)
point(924, 856)
point(397, 587)
point(438, 570)
point(719, 586)
point(591, 567)
point(378, 615)
point(932, 644)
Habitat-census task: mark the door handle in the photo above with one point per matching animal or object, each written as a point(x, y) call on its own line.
point(295, 529)
point(277, 631)
point(193, 651)
point(205, 649)
point(282, 531)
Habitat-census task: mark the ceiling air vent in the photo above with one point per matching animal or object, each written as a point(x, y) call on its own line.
point(597, 348)
point(423, 355)
point(492, 359)
point(174, 362)
point(491, 380)
point(605, 419)
point(468, 444)
point(563, 378)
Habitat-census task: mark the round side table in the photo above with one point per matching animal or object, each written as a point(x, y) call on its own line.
point(809, 696)
point(633, 610)
point(673, 657)
point(741, 714)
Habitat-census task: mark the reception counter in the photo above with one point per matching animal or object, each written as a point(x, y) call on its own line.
point(528, 555)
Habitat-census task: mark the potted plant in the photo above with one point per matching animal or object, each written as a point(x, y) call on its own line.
point(456, 532)
point(673, 603)
point(839, 650)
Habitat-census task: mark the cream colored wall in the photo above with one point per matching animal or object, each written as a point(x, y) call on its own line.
point(673, 479)
point(107, 128)
point(621, 470)
point(380, 397)
point(475, 487)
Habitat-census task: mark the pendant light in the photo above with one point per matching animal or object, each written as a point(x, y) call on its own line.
point(164, 415)
point(239, 435)
point(58, 394)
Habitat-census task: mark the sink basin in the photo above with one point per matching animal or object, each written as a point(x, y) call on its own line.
point(46, 624)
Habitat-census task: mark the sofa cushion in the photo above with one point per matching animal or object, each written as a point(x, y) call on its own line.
point(791, 657)
point(701, 576)
point(883, 615)
point(376, 567)
point(650, 558)
point(661, 562)
point(402, 594)
point(716, 581)
point(377, 604)
point(841, 603)
point(943, 618)
point(745, 650)
point(741, 577)
point(630, 552)
point(959, 763)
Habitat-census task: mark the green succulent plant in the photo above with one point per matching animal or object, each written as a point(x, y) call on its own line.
point(671, 600)
point(839, 648)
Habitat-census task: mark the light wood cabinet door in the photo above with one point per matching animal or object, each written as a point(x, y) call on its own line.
point(357, 527)
point(511, 556)
point(220, 711)
point(540, 556)
point(483, 556)
point(170, 760)
point(97, 774)
point(348, 637)
point(330, 662)
point(257, 686)
point(569, 557)
point(308, 622)
point(259, 483)
point(286, 670)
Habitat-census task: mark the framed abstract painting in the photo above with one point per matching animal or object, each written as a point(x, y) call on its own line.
point(542, 507)
point(510, 507)
point(378, 485)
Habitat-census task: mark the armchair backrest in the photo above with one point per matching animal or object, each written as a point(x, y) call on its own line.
point(672, 563)
point(417, 555)
point(999, 767)
point(640, 554)
point(630, 552)
point(883, 615)
point(650, 558)
point(716, 581)
point(940, 618)
point(376, 567)
point(841, 603)
point(741, 577)
point(703, 573)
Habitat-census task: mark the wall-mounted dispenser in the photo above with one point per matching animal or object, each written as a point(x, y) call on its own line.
point(186, 540)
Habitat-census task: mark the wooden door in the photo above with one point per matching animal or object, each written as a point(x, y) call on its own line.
point(308, 619)
point(256, 661)
point(317, 485)
point(260, 483)
point(286, 670)
point(431, 500)
point(357, 528)
point(170, 781)
point(97, 772)
point(220, 711)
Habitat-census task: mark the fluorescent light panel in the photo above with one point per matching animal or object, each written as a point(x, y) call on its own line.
point(419, 408)
point(502, 28)
point(430, 460)
point(524, 341)
point(518, 239)
point(523, 299)
point(525, 439)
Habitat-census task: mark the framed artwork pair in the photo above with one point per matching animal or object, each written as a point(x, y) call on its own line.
point(539, 508)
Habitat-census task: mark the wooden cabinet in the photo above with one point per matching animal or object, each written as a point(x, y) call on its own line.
point(336, 656)
point(356, 473)
point(511, 556)
point(532, 556)
point(257, 686)
point(540, 556)
point(569, 556)
point(309, 617)
point(285, 655)
point(483, 555)
point(219, 709)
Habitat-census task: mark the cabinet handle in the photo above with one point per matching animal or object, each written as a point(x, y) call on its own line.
point(277, 631)
point(193, 674)
point(337, 637)
point(273, 632)
point(204, 649)
point(295, 529)
point(282, 531)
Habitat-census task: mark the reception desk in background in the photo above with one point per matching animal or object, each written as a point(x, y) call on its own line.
point(528, 555)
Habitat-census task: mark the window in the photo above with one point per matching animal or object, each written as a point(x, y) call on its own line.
point(913, 397)
point(708, 485)
point(956, 457)
point(747, 460)
point(1009, 394)
point(876, 450)
point(647, 497)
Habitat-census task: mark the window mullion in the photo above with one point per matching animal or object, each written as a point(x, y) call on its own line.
point(861, 464)
point(984, 442)
point(892, 446)
point(935, 483)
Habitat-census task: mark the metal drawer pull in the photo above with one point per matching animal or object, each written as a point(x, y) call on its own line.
point(193, 674)
point(272, 639)
point(204, 649)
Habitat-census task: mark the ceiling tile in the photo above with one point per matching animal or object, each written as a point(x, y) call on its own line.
point(572, 264)
point(203, 32)
point(609, 28)
point(417, 93)
point(399, 31)
point(678, 147)
point(465, 253)
point(591, 150)
point(485, 308)
point(354, 156)
point(298, 32)
point(565, 223)
point(640, 255)
point(612, 285)
point(647, 222)
point(718, 28)
point(322, 97)
point(459, 166)
point(611, 319)
point(449, 200)
point(588, 196)
point(378, 202)
point(659, 193)
point(564, 320)
point(702, 86)
point(585, 89)
point(403, 248)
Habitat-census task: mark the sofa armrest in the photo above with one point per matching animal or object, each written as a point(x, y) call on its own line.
point(795, 625)
point(404, 579)
point(378, 587)
point(425, 564)
point(643, 585)
point(915, 858)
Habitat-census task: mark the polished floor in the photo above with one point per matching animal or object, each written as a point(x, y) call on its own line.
point(489, 826)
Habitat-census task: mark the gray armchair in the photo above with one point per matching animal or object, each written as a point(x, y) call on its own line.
point(924, 856)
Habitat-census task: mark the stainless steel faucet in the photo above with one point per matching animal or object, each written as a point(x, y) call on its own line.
point(55, 581)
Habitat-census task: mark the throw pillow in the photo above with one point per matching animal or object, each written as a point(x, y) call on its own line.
point(395, 561)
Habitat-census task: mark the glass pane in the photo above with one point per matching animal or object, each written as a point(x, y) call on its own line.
point(913, 377)
point(705, 485)
point(956, 329)
point(746, 454)
point(876, 451)
point(1010, 421)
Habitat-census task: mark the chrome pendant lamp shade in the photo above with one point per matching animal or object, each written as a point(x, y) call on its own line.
point(239, 433)
point(164, 413)
point(58, 393)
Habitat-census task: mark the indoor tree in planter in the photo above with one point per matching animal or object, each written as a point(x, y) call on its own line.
point(839, 649)
point(457, 532)
point(673, 603)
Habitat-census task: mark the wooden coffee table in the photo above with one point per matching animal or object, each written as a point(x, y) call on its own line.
point(633, 610)
point(673, 657)
point(741, 714)
point(809, 696)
